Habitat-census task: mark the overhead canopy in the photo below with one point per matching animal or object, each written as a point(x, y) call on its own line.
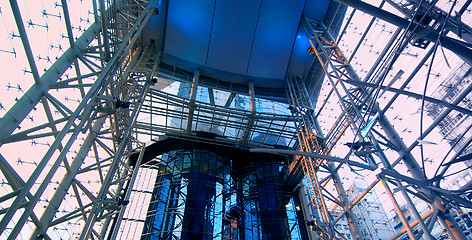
point(236, 41)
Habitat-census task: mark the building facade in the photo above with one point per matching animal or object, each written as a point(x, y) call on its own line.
point(372, 218)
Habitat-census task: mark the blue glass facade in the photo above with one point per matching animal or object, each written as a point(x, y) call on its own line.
point(192, 194)
point(265, 201)
point(199, 195)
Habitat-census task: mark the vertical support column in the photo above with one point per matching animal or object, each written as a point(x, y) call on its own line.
point(211, 96)
point(300, 215)
point(266, 197)
point(252, 116)
point(242, 214)
point(417, 215)
point(103, 18)
point(201, 189)
point(193, 96)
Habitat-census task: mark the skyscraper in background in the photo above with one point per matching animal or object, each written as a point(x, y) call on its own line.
point(374, 221)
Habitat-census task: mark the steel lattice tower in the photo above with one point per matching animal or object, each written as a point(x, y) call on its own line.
point(79, 147)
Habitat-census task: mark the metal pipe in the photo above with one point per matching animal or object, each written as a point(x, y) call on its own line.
point(412, 225)
point(413, 95)
point(461, 30)
point(367, 190)
point(447, 220)
point(416, 214)
point(230, 99)
point(399, 211)
point(408, 80)
point(412, 164)
point(430, 223)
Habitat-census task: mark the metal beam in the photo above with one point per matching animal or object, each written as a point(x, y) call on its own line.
point(414, 168)
point(427, 188)
point(412, 225)
point(30, 98)
point(413, 95)
point(193, 97)
point(104, 27)
point(446, 112)
point(351, 218)
point(399, 211)
point(16, 183)
point(232, 95)
point(83, 108)
point(312, 155)
point(67, 181)
point(116, 224)
point(453, 24)
point(409, 79)
point(24, 40)
point(252, 115)
point(98, 205)
point(458, 47)
point(413, 165)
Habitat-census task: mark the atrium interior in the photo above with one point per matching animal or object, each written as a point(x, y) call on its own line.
point(206, 119)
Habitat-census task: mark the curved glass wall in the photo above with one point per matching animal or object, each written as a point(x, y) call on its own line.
point(268, 205)
point(193, 193)
point(197, 195)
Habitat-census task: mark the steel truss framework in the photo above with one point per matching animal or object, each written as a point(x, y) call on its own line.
point(115, 72)
point(356, 98)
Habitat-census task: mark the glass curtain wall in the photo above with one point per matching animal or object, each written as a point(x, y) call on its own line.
point(198, 195)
